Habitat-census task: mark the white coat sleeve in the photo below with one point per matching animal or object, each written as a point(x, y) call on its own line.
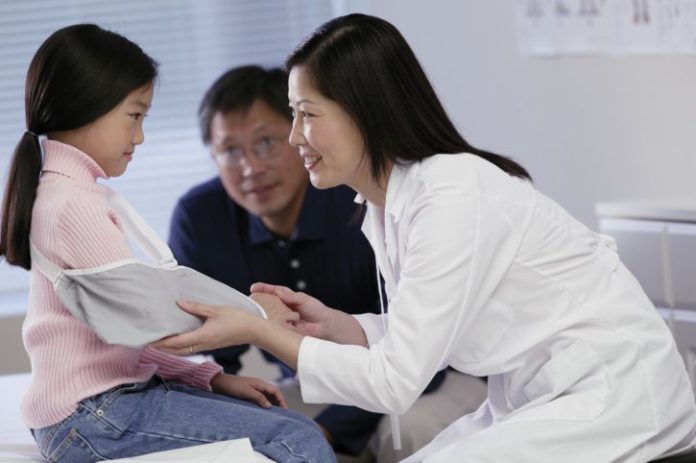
point(459, 246)
point(372, 325)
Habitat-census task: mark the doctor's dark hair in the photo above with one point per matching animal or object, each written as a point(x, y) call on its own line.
point(365, 65)
point(238, 89)
point(78, 74)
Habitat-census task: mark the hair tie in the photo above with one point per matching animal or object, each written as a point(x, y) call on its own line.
point(32, 133)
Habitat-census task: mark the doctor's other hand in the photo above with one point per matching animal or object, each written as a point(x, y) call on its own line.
point(313, 316)
point(254, 390)
point(316, 319)
point(222, 326)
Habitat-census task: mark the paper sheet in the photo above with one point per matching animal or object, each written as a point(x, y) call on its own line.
point(567, 27)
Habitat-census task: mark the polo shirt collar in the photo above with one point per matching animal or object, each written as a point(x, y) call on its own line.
point(311, 223)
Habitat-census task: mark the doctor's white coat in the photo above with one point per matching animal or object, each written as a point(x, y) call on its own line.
point(489, 276)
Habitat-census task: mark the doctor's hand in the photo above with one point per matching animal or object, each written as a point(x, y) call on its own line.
point(222, 326)
point(254, 390)
point(316, 319)
point(313, 316)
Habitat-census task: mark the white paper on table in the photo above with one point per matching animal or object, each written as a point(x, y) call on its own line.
point(237, 450)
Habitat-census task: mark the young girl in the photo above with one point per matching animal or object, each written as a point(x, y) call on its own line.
point(88, 91)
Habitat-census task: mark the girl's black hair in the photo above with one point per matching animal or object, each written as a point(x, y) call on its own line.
point(238, 89)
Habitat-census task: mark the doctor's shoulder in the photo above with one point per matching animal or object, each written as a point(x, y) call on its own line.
point(461, 172)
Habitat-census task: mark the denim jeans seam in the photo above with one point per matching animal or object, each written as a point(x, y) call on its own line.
point(115, 394)
point(291, 452)
point(170, 436)
point(102, 419)
point(51, 434)
point(69, 440)
point(47, 440)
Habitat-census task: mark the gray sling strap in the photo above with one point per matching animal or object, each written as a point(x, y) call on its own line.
point(130, 302)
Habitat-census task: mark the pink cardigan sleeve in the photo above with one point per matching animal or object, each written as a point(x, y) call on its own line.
point(179, 369)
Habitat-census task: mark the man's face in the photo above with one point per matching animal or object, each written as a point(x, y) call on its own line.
point(259, 169)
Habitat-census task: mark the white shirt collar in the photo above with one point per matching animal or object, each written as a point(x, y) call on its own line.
point(397, 189)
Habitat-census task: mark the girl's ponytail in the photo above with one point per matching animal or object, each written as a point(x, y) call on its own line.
point(20, 194)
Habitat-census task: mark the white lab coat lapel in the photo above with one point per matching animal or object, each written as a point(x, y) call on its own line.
point(391, 241)
point(381, 227)
point(373, 228)
point(399, 192)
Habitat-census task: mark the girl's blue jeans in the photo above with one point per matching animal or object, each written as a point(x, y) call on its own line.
point(157, 415)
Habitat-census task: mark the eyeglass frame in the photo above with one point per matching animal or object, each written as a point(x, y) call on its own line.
point(264, 154)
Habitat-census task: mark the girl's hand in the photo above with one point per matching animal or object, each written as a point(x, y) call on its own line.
point(254, 390)
point(222, 326)
point(313, 316)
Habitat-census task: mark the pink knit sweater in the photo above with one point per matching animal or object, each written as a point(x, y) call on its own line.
point(74, 227)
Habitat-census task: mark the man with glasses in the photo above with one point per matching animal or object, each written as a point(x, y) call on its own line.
point(261, 220)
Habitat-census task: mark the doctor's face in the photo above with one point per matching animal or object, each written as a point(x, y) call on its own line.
point(329, 141)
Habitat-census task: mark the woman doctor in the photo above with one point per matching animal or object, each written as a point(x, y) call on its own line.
point(483, 274)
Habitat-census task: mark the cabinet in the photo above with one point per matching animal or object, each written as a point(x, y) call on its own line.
point(657, 242)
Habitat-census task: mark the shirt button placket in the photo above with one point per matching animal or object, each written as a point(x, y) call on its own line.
point(300, 283)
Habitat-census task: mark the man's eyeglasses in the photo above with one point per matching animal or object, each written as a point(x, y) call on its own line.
point(265, 149)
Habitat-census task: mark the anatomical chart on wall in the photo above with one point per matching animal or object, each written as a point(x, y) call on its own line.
point(568, 27)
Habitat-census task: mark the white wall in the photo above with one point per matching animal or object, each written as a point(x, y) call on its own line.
point(13, 358)
point(587, 128)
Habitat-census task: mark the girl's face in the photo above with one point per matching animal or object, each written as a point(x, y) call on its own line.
point(328, 139)
point(111, 139)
